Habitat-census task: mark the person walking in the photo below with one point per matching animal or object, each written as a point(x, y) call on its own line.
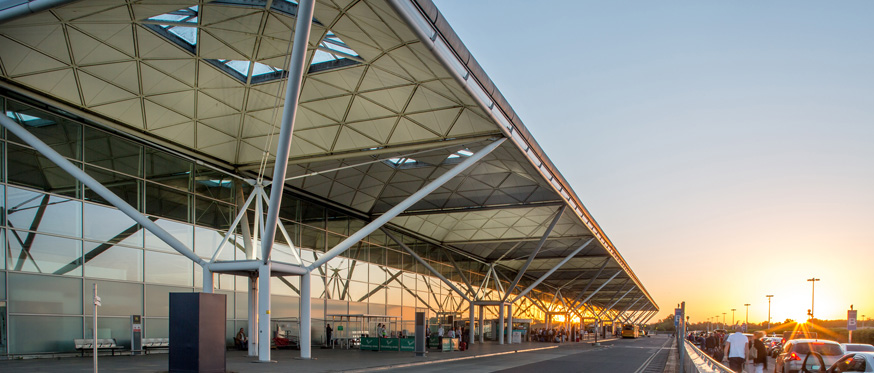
point(760, 356)
point(736, 347)
point(328, 333)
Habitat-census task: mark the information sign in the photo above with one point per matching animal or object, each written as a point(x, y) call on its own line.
point(851, 320)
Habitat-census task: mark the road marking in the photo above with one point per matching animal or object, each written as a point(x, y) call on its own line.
point(407, 365)
point(651, 357)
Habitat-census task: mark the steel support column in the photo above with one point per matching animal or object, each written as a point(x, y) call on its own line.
point(296, 68)
point(405, 204)
point(471, 329)
point(533, 254)
point(264, 332)
point(481, 326)
point(253, 316)
point(207, 280)
point(499, 334)
point(305, 316)
point(509, 323)
point(551, 271)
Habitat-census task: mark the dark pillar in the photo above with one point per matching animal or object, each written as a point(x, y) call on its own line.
point(197, 332)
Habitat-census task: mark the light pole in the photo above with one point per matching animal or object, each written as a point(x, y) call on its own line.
point(747, 320)
point(812, 287)
point(769, 310)
point(723, 321)
point(732, 315)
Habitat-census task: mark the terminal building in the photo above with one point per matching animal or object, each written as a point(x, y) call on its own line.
point(410, 184)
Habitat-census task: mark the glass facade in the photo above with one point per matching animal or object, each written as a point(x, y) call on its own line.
point(61, 238)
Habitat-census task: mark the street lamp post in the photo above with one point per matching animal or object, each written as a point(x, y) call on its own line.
point(747, 319)
point(769, 310)
point(812, 287)
point(732, 315)
point(723, 321)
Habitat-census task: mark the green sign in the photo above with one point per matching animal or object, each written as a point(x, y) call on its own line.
point(447, 344)
point(369, 344)
point(340, 328)
point(434, 342)
point(389, 344)
point(408, 344)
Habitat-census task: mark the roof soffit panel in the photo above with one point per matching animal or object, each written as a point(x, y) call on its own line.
point(181, 133)
point(156, 82)
point(210, 77)
point(210, 46)
point(322, 137)
point(158, 116)
point(378, 129)
point(387, 15)
point(91, 11)
point(314, 89)
point(89, 51)
point(41, 18)
point(333, 108)
point(152, 46)
point(378, 79)
point(427, 57)
point(349, 139)
point(231, 18)
point(47, 39)
point(370, 22)
point(59, 83)
point(182, 70)
point(143, 10)
point(19, 60)
point(257, 100)
point(232, 97)
point(439, 87)
point(208, 136)
point(129, 112)
point(439, 121)
point(346, 79)
point(119, 36)
point(96, 91)
point(388, 64)
point(228, 125)
point(393, 98)
point(254, 127)
point(364, 109)
point(412, 64)
point(409, 131)
point(469, 123)
point(208, 107)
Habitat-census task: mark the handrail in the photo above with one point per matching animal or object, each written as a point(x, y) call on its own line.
point(698, 361)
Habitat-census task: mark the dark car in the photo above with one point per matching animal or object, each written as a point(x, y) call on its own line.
point(794, 351)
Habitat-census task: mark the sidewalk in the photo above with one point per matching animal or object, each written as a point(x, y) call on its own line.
point(324, 360)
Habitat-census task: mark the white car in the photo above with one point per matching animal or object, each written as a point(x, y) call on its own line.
point(852, 362)
point(856, 347)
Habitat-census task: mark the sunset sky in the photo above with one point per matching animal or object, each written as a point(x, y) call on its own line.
point(726, 148)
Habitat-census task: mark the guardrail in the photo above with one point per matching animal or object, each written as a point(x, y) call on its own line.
point(696, 360)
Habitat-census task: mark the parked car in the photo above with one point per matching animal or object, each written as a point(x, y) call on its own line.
point(856, 347)
point(852, 362)
point(795, 351)
point(773, 345)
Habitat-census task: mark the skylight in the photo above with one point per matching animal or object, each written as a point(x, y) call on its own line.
point(181, 27)
point(404, 162)
point(460, 153)
point(29, 120)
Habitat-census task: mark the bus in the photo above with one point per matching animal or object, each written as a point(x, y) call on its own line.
point(630, 331)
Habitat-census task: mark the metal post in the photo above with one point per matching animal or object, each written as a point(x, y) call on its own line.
point(296, 68)
point(27, 7)
point(533, 254)
point(812, 289)
point(681, 344)
point(98, 188)
point(405, 204)
point(551, 271)
point(481, 325)
point(500, 331)
point(509, 323)
point(470, 330)
point(305, 316)
point(265, 335)
point(207, 280)
point(94, 328)
point(253, 316)
point(769, 310)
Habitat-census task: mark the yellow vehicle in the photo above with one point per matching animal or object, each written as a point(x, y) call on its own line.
point(630, 331)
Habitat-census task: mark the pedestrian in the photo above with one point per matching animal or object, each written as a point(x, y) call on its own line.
point(758, 353)
point(328, 332)
point(736, 347)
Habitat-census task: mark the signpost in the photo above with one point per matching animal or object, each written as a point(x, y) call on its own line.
point(851, 323)
point(94, 324)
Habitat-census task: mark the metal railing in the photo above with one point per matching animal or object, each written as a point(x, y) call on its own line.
point(696, 360)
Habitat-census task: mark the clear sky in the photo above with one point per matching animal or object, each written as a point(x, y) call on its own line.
point(725, 147)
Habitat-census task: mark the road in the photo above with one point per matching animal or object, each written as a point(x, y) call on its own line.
point(642, 355)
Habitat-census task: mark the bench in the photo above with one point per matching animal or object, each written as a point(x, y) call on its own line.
point(155, 343)
point(104, 344)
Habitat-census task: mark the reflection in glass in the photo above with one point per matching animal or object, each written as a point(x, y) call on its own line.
point(312, 238)
point(312, 214)
point(44, 294)
point(168, 169)
point(181, 231)
point(31, 252)
point(214, 184)
point(104, 260)
point(206, 241)
point(107, 224)
point(125, 187)
point(156, 328)
point(116, 298)
point(158, 302)
point(110, 327)
point(213, 214)
point(112, 152)
point(62, 135)
point(35, 334)
point(44, 213)
point(167, 202)
point(168, 269)
point(27, 167)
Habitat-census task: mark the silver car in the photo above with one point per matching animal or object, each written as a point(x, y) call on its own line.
point(794, 351)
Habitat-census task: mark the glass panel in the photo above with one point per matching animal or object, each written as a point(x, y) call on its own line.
point(312, 238)
point(168, 269)
point(110, 327)
point(29, 168)
point(112, 152)
point(44, 294)
point(336, 307)
point(103, 260)
point(126, 187)
point(56, 214)
point(168, 169)
point(357, 291)
point(156, 328)
point(108, 224)
point(393, 259)
point(338, 223)
point(213, 214)
point(62, 135)
point(312, 214)
point(31, 252)
point(116, 298)
point(214, 184)
point(3, 343)
point(394, 295)
point(158, 300)
point(286, 285)
point(167, 202)
point(229, 303)
point(33, 334)
point(183, 232)
point(207, 240)
point(241, 305)
point(2, 289)
point(285, 306)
